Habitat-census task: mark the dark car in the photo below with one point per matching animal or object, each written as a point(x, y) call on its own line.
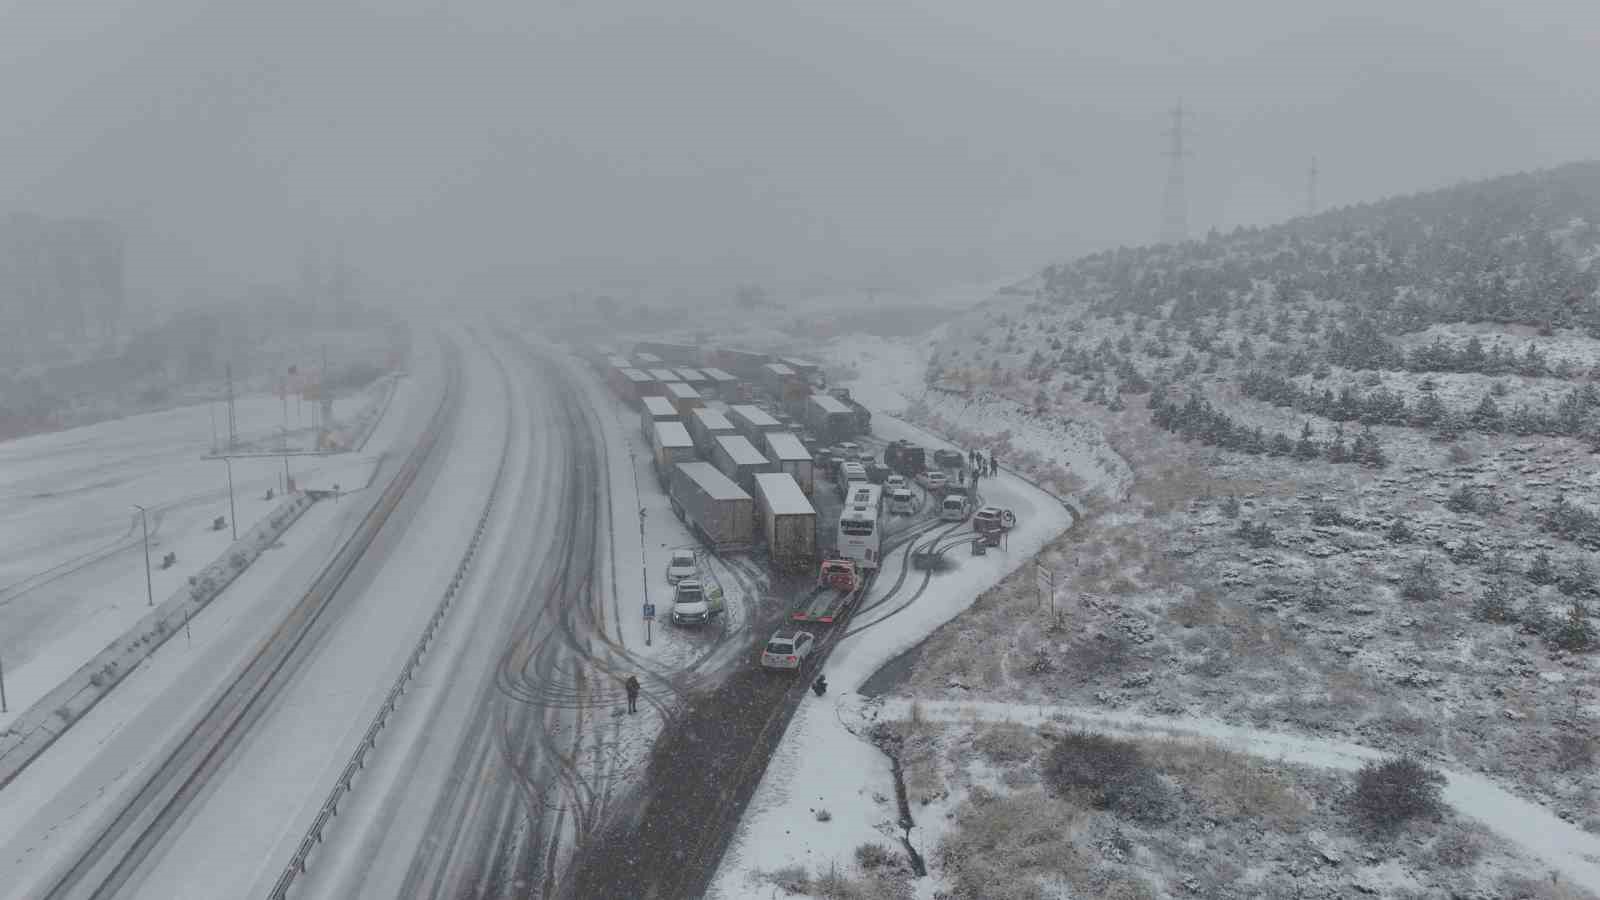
point(948, 459)
point(877, 473)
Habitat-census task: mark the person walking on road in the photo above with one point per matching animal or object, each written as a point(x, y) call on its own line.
point(961, 477)
point(632, 684)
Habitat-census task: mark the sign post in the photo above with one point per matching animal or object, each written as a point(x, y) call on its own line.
point(1045, 581)
point(649, 616)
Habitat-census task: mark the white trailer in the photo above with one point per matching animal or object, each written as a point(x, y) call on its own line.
point(653, 410)
point(739, 459)
point(753, 422)
point(670, 444)
point(790, 455)
point(705, 426)
point(718, 511)
point(788, 521)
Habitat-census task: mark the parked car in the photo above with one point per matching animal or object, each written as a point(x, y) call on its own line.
point(933, 481)
point(948, 459)
point(894, 481)
point(991, 519)
point(902, 502)
point(680, 566)
point(954, 507)
point(694, 604)
point(851, 450)
point(787, 649)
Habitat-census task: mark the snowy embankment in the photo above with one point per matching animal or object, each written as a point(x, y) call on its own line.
point(36, 728)
point(1563, 846)
point(61, 796)
point(824, 764)
point(75, 594)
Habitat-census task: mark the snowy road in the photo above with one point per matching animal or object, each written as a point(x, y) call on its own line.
point(92, 791)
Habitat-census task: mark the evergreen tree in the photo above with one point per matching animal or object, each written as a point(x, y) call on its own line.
point(1306, 447)
point(1542, 570)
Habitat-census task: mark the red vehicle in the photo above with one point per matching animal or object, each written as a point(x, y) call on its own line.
point(838, 574)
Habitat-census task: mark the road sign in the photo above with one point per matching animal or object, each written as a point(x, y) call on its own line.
point(649, 610)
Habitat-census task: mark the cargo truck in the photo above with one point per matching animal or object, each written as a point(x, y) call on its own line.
point(672, 354)
point(705, 426)
point(716, 510)
point(721, 385)
point(790, 455)
point(829, 419)
point(670, 445)
point(683, 397)
point(653, 410)
point(739, 460)
point(788, 521)
point(753, 422)
point(863, 415)
point(904, 458)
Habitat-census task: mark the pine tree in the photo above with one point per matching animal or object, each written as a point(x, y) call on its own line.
point(1306, 447)
point(1542, 570)
point(1494, 604)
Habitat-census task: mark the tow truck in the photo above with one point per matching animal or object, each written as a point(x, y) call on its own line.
point(837, 582)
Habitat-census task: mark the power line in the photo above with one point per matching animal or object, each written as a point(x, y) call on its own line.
point(1175, 203)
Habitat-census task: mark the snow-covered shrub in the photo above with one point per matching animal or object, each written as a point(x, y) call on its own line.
point(1110, 773)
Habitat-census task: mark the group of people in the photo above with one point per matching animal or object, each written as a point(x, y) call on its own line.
point(981, 466)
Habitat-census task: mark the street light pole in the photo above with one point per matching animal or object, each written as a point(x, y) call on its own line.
point(284, 439)
point(233, 515)
point(149, 590)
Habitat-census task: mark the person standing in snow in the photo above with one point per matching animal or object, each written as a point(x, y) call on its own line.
point(632, 685)
point(961, 477)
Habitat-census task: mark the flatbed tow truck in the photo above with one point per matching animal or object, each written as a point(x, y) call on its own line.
point(837, 581)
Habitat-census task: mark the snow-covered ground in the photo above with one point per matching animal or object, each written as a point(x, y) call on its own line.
point(61, 796)
point(71, 543)
point(822, 763)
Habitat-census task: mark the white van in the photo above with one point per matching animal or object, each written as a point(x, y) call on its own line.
point(901, 502)
point(954, 508)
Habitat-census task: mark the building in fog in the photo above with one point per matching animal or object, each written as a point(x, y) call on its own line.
point(61, 280)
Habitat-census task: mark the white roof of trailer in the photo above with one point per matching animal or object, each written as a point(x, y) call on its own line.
point(718, 375)
point(741, 451)
point(636, 375)
point(787, 446)
point(783, 496)
point(659, 406)
point(755, 415)
point(711, 480)
point(663, 374)
point(690, 374)
point(829, 404)
point(683, 391)
point(712, 419)
point(673, 434)
point(779, 369)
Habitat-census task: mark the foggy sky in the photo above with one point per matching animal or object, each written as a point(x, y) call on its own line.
point(642, 148)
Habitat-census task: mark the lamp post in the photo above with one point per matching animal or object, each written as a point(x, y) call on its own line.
point(233, 515)
point(149, 591)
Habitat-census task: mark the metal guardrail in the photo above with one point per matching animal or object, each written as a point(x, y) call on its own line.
point(369, 741)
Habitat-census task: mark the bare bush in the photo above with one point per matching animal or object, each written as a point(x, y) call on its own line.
point(1390, 793)
point(1007, 743)
point(872, 855)
point(824, 816)
point(1457, 849)
point(1575, 750)
point(1111, 773)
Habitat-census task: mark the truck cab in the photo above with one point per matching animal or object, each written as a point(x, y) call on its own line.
point(694, 603)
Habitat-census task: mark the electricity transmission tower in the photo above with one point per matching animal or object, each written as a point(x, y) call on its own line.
point(1175, 205)
point(1311, 188)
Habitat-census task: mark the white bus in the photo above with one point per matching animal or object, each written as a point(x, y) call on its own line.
point(861, 525)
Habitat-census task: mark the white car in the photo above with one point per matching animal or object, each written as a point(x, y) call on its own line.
point(787, 649)
point(934, 480)
point(695, 604)
point(894, 482)
point(902, 502)
point(680, 566)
